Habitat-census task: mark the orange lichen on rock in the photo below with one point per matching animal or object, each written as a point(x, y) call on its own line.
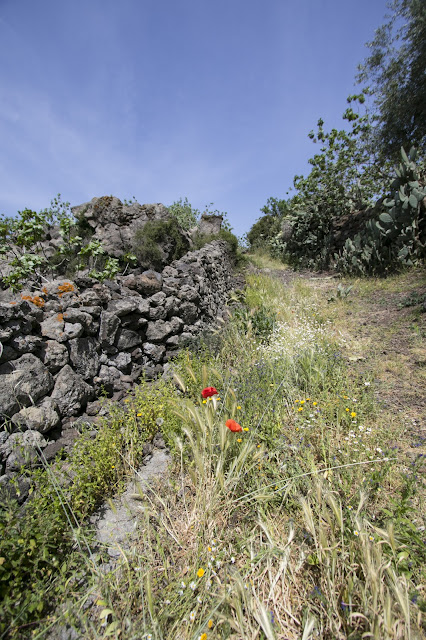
point(60, 317)
point(37, 300)
point(65, 288)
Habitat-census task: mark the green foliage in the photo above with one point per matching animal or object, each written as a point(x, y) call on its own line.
point(200, 240)
point(98, 467)
point(342, 293)
point(258, 322)
point(395, 74)
point(92, 250)
point(353, 165)
point(159, 242)
point(110, 270)
point(398, 237)
point(311, 238)
point(129, 202)
point(343, 178)
point(102, 267)
point(413, 299)
point(294, 484)
point(186, 215)
point(262, 232)
point(22, 243)
point(276, 208)
point(39, 544)
point(35, 547)
point(24, 266)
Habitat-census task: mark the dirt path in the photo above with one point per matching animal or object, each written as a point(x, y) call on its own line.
point(384, 324)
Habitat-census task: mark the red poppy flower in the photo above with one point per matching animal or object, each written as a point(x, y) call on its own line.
point(233, 426)
point(208, 392)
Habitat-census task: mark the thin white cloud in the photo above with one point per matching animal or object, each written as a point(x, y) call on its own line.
point(48, 150)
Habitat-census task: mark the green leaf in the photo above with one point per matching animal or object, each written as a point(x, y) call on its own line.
point(385, 218)
point(413, 201)
point(404, 155)
point(401, 194)
point(419, 194)
point(112, 628)
point(105, 613)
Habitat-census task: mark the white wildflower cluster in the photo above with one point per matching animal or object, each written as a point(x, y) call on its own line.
point(289, 339)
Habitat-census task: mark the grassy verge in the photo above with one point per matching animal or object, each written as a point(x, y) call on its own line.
point(306, 523)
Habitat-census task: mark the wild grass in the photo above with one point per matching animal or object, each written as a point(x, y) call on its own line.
point(305, 524)
point(263, 260)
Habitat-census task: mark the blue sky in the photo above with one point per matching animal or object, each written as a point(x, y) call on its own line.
point(162, 99)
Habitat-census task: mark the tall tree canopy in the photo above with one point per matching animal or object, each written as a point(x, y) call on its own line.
point(395, 73)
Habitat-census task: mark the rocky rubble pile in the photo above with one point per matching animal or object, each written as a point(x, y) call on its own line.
point(64, 345)
point(115, 224)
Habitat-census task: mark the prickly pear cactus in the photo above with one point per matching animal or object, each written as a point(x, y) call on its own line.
point(398, 236)
point(403, 223)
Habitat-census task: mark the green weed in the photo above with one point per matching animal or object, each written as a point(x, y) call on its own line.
point(300, 522)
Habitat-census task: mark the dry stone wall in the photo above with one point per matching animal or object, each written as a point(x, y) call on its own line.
point(64, 345)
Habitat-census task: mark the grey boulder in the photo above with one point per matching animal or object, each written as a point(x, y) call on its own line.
point(71, 392)
point(84, 356)
point(41, 418)
point(23, 382)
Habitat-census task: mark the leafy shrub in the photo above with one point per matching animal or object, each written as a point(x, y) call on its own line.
point(398, 237)
point(22, 243)
point(263, 231)
point(41, 542)
point(35, 546)
point(200, 240)
point(343, 178)
point(184, 213)
point(159, 242)
point(310, 241)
